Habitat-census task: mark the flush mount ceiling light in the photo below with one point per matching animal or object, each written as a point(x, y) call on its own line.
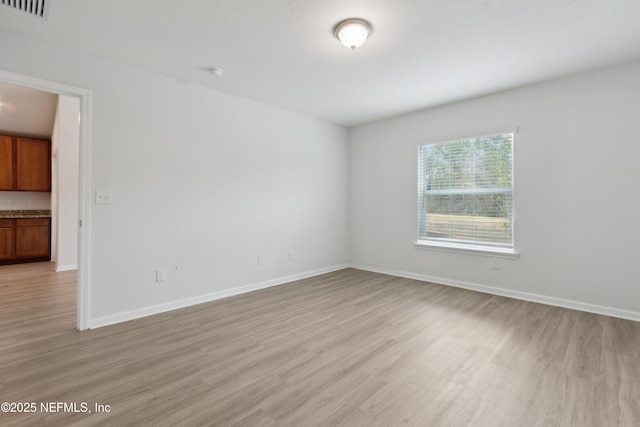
point(215, 71)
point(352, 32)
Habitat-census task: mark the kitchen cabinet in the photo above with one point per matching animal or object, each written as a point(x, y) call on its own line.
point(25, 164)
point(33, 164)
point(7, 239)
point(6, 163)
point(33, 238)
point(25, 240)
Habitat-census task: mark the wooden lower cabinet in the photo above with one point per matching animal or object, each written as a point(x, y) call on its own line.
point(25, 240)
point(7, 239)
point(33, 238)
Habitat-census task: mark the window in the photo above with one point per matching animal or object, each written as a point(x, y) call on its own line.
point(465, 194)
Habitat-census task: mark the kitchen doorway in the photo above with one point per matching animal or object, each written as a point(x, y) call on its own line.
point(84, 186)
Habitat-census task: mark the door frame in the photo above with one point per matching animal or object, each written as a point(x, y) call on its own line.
point(84, 179)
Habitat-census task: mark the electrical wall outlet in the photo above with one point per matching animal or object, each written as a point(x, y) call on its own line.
point(104, 196)
point(260, 259)
point(161, 275)
point(292, 255)
point(495, 264)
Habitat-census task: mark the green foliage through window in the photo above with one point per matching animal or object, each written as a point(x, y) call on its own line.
point(465, 191)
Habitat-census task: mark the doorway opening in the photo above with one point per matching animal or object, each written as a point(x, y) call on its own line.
point(81, 98)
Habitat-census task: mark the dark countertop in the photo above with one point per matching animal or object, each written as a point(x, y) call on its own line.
point(25, 213)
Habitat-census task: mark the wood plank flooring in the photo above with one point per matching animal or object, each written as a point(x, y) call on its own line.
point(349, 348)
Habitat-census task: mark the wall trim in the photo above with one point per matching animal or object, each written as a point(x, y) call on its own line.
point(525, 296)
point(186, 302)
point(66, 267)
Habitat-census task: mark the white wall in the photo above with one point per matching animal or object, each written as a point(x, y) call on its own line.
point(201, 180)
point(65, 144)
point(577, 202)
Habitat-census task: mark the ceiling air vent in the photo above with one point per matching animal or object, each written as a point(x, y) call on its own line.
point(34, 7)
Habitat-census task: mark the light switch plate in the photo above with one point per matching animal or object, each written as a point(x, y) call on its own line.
point(104, 196)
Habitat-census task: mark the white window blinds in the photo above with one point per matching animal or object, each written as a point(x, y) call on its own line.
point(465, 192)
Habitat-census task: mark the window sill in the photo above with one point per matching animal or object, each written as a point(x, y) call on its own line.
point(468, 249)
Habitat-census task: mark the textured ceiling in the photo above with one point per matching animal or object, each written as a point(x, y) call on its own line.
point(422, 53)
point(26, 112)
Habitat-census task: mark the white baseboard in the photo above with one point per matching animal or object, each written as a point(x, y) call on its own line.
point(526, 296)
point(186, 302)
point(66, 267)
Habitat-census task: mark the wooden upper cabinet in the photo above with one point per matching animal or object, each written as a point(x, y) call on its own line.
point(6, 163)
point(33, 164)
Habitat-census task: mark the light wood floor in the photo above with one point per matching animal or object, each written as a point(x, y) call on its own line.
point(350, 348)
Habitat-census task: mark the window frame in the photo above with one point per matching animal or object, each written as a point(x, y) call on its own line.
point(476, 248)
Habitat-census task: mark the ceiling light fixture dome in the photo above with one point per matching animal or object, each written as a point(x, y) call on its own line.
point(215, 71)
point(352, 32)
